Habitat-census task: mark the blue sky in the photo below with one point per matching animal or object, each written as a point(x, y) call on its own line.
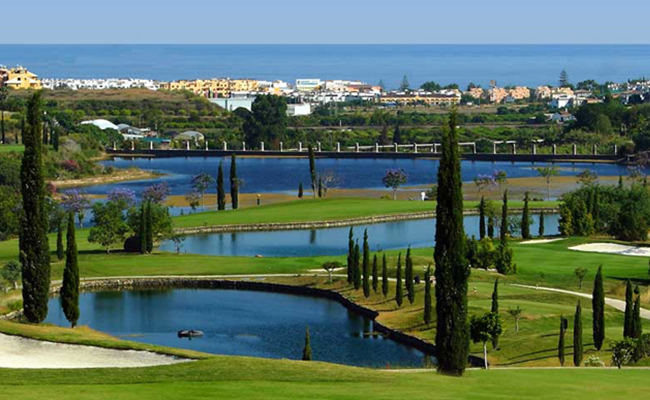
point(329, 21)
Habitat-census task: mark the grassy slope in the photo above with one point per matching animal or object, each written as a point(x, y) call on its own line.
point(7, 148)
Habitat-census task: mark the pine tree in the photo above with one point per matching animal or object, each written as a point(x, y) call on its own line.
point(495, 310)
point(70, 287)
point(60, 251)
point(357, 267)
point(637, 327)
point(481, 218)
point(351, 256)
point(408, 275)
point(503, 231)
point(541, 224)
point(221, 191)
point(234, 183)
point(561, 345)
point(149, 224)
point(384, 276)
point(306, 351)
point(564, 78)
point(427, 296)
point(598, 307)
point(525, 219)
point(366, 265)
point(312, 171)
point(399, 295)
point(142, 229)
point(300, 191)
point(452, 271)
point(628, 325)
point(33, 241)
point(375, 272)
point(577, 337)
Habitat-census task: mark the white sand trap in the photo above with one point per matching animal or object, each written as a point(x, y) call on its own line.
point(540, 241)
point(17, 352)
point(613, 248)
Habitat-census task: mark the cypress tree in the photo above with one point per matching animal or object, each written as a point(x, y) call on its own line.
point(495, 310)
point(306, 351)
point(408, 275)
point(577, 337)
point(384, 276)
point(525, 219)
point(452, 271)
point(628, 325)
point(637, 327)
point(234, 183)
point(60, 251)
point(312, 170)
point(357, 267)
point(55, 139)
point(560, 346)
point(33, 242)
point(45, 135)
point(481, 218)
point(366, 265)
point(70, 287)
point(598, 307)
point(399, 295)
point(375, 277)
point(503, 232)
point(300, 191)
point(320, 187)
point(351, 256)
point(490, 227)
point(620, 181)
point(23, 126)
point(221, 191)
point(149, 224)
point(142, 228)
point(427, 296)
point(2, 127)
point(541, 224)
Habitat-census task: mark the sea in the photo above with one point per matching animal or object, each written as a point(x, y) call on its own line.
point(529, 65)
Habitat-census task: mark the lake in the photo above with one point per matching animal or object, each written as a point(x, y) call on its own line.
point(331, 241)
point(239, 322)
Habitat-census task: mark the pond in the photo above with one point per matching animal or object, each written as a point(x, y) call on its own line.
point(261, 175)
point(331, 241)
point(240, 322)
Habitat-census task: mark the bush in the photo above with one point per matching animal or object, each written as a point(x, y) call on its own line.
point(594, 361)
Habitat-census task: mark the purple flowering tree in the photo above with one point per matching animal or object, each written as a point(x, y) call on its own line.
point(157, 193)
point(393, 179)
point(124, 198)
point(76, 202)
point(483, 181)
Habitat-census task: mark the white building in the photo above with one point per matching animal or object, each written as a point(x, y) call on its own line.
point(295, 110)
point(233, 103)
point(308, 85)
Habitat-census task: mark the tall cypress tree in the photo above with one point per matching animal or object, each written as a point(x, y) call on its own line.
point(23, 127)
point(70, 287)
point(375, 274)
point(628, 324)
point(149, 224)
point(384, 276)
point(357, 267)
point(366, 265)
point(60, 251)
point(577, 337)
point(598, 307)
point(427, 296)
point(2, 127)
point(300, 191)
point(561, 345)
point(490, 226)
point(351, 256)
point(541, 224)
point(306, 351)
point(142, 229)
point(525, 219)
point(55, 139)
point(495, 310)
point(399, 294)
point(234, 183)
point(221, 191)
point(452, 270)
point(503, 232)
point(481, 218)
point(312, 171)
point(637, 327)
point(408, 275)
point(33, 242)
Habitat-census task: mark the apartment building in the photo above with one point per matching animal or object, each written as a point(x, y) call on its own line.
point(20, 78)
point(431, 99)
point(212, 87)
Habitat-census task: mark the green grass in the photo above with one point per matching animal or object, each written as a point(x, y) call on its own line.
point(7, 148)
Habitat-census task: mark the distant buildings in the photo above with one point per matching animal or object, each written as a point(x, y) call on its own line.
point(100, 84)
point(425, 98)
point(296, 110)
point(211, 88)
point(19, 78)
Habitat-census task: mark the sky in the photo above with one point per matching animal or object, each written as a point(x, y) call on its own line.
point(329, 21)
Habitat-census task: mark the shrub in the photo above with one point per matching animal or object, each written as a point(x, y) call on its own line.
point(594, 361)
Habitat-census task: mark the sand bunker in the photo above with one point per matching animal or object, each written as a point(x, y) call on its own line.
point(539, 241)
point(613, 248)
point(17, 352)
